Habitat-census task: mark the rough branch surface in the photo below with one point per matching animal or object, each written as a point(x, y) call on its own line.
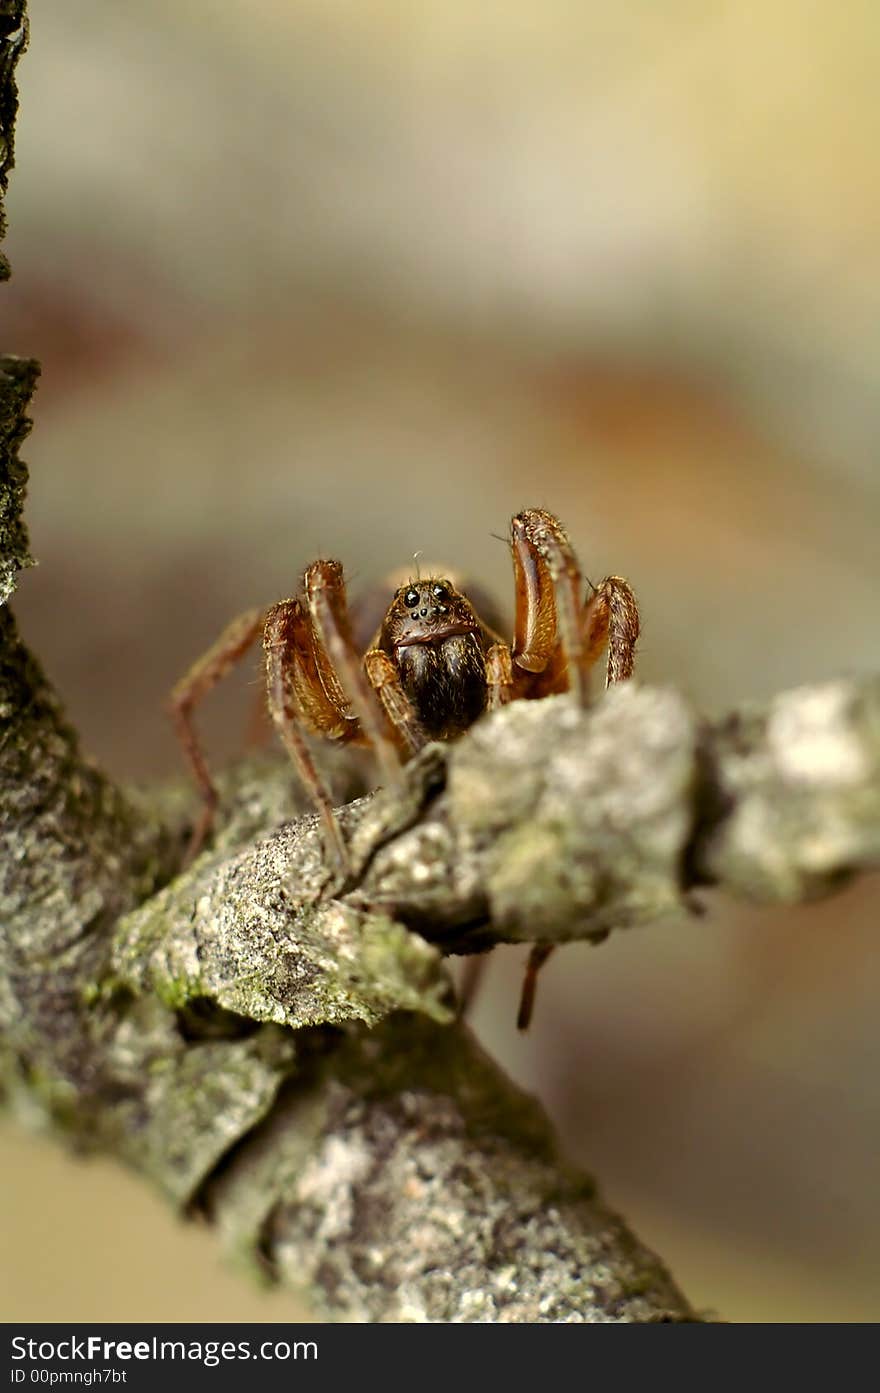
point(273, 1049)
point(13, 41)
point(547, 823)
point(279, 1050)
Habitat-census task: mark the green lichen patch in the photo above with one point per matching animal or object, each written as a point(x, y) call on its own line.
point(171, 1106)
point(798, 788)
point(583, 816)
point(409, 1181)
point(259, 935)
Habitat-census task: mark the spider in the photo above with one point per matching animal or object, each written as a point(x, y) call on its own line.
point(432, 669)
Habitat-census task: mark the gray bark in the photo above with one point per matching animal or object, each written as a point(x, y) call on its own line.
point(13, 41)
point(279, 1049)
point(299, 1076)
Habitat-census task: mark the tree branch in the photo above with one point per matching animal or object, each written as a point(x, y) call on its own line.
point(279, 1050)
point(13, 42)
point(392, 1172)
point(546, 823)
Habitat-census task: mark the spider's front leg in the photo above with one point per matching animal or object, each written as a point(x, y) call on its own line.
point(559, 636)
point(612, 617)
point(548, 634)
point(297, 697)
point(340, 663)
point(315, 681)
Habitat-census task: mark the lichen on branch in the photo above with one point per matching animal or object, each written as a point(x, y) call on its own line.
point(276, 1047)
point(263, 1044)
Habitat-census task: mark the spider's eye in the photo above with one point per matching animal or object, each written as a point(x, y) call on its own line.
point(440, 592)
point(411, 598)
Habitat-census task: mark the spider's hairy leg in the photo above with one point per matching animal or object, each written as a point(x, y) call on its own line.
point(295, 696)
point(384, 678)
point(325, 592)
point(499, 675)
point(612, 616)
point(185, 696)
point(549, 609)
point(537, 958)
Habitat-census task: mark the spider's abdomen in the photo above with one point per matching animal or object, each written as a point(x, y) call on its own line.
point(446, 682)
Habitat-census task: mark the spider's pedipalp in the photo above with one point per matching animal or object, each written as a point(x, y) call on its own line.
point(384, 678)
point(499, 676)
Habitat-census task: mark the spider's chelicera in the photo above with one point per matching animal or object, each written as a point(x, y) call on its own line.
point(432, 669)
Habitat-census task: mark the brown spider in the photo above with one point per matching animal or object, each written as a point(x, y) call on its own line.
point(433, 667)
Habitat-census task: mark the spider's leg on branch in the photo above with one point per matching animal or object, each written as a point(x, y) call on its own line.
point(298, 698)
point(325, 592)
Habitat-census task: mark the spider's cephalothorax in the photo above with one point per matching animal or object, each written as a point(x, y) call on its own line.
point(432, 669)
point(437, 644)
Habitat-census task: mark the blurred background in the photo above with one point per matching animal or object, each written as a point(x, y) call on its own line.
point(359, 278)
